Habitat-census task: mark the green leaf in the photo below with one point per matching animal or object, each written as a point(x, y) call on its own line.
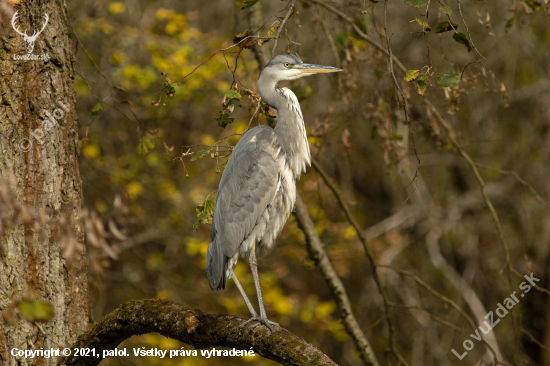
point(412, 75)
point(223, 119)
point(228, 104)
point(96, 109)
point(36, 310)
point(202, 153)
point(248, 3)
point(447, 10)
point(396, 137)
point(361, 23)
point(447, 80)
point(445, 26)
point(231, 94)
point(204, 214)
point(302, 93)
point(463, 39)
point(169, 89)
point(422, 84)
point(415, 3)
point(145, 145)
point(509, 25)
point(423, 23)
point(202, 219)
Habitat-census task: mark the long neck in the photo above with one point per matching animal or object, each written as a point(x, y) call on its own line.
point(290, 129)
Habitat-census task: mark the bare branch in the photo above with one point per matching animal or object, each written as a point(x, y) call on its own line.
point(278, 34)
point(193, 327)
point(322, 262)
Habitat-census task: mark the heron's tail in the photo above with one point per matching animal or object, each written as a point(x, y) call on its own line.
point(216, 266)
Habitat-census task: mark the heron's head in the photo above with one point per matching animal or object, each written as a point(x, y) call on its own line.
point(291, 67)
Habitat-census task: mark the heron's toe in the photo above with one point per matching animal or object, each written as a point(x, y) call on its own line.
point(245, 323)
point(268, 323)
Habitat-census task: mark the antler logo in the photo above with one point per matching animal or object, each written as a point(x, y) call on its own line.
point(29, 41)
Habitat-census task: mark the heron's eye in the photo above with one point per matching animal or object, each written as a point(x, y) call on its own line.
point(287, 64)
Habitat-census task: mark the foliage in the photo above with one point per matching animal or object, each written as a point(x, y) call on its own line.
point(36, 310)
point(447, 80)
point(248, 3)
point(462, 39)
point(204, 214)
point(223, 119)
point(445, 26)
point(145, 145)
point(96, 109)
point(415, 3)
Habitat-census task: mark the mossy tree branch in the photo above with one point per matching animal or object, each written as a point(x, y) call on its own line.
point(193, 327)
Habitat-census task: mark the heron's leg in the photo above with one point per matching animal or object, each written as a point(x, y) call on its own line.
point(253, 312)
point(263, 316)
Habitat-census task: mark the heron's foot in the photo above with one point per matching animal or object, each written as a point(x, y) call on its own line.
point(268, 323)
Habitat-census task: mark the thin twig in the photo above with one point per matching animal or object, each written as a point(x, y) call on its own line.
point(427, 37)
point(405, 105)
point(208, 59)
point(467, 30)
point(329, 37)
point(533, 339)
point(370, 40)
point(518, 178)
point(278, 34)
point(255, 113)
point(465, 67)
point(424, 311)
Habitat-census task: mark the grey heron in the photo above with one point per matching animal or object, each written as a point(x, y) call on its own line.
point(257, 189)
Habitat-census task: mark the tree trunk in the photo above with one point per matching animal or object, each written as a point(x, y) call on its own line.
point(39, 151)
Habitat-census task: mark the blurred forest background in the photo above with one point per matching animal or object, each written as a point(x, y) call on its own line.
point(477, 100)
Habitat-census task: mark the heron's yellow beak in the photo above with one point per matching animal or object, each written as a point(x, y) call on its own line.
point(315, 69)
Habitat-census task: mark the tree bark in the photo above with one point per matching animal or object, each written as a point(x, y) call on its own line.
point(39, 166)
point(201, 330)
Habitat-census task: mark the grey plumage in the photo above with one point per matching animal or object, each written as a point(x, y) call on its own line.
point(258, 186)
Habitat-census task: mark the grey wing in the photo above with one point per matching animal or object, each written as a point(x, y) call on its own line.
point(248, 185)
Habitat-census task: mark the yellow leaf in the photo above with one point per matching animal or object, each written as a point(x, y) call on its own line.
point(36, 310)
point(116, 8)
point(100, 205)
point(164, 13)
point(412, 75)
point(163, 295)
point(350, 233)
point(91, 151)
point(134, 189)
